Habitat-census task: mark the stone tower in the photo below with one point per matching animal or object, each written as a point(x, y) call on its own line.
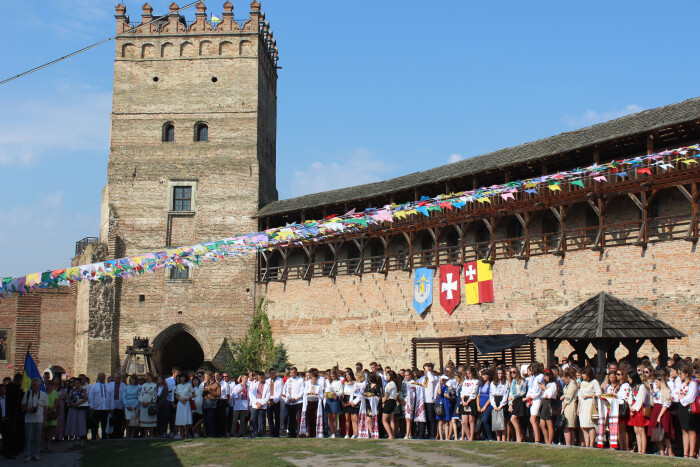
point(192, 159)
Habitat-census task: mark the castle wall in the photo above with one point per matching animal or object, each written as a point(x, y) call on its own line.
point(350, 318)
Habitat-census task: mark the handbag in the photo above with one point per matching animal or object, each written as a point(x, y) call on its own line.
point(594, 409)
point(193, 405)
point(657, 433)
point(646, 412)
point(561, 421)
point(497, 422)
point(695, 406)
point(440, 409)
point(479, 425)
point(153, 409)
point(209, 404)
point(110, 427)
point(134, 420)
point(623, 408)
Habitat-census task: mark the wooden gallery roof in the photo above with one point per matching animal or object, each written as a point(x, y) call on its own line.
point(671, 123)
point(606, 317)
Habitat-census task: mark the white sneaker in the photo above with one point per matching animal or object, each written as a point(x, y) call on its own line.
point(354, 436)
point(332, 436)
point(178, 437)
point(406, 437)
point(196, 435)
point(347, 436)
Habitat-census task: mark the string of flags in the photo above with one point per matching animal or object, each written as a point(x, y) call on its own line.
point(353, 221)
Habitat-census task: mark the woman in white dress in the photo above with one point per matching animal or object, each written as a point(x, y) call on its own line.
point(588, 394)
point(147, 398)
point(197, 413)
point(183, 417)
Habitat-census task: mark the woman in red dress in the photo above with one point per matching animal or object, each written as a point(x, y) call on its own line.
point(639, 411)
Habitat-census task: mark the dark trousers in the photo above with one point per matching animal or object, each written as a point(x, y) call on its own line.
point(430, 423)
point(209, 415)
point(229, 420)
point(273, 419)
point(257, 421)
point(292, 411)
point(486, 421)
point(99, 417)
point(171, 417)
point(6, 438)
point(118, 424)
point(220, 418)
point(163, 418)
point(240, 417)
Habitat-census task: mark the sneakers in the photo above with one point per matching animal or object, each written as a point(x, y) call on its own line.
point(196, 435)
point(36, 458)
point(347, 436)
point(406, 437)
point(332, 436)
point(178, 437)
point(354, 437)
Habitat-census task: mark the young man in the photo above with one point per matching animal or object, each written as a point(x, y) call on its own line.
point(171, 382)
point(226, 388)
point(100, 405)
point(259, 397)
point(274, 405)
point(115, 391)
point(294, 397)
point(429, 381)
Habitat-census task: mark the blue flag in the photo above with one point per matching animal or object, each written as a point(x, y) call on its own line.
point(30, 372)
point(422, 289)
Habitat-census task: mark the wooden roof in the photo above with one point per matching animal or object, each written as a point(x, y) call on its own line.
point(604, 316)
point(642, 122)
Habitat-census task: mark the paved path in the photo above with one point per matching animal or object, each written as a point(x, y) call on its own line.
point(65, 454)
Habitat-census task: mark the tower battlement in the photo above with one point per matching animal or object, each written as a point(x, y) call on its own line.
point(176, 24)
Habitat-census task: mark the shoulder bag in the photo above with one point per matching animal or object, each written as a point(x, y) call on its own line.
point(440, 409)
point(695, 406)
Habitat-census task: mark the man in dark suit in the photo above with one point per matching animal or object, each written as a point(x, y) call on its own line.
point(15, 419)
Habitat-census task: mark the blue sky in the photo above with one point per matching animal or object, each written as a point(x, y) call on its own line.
point(368, 91)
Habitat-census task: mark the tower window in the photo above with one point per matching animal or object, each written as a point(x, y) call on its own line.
point(201, 132)
point(168, 133)
point(180, 274)
point(182, 198)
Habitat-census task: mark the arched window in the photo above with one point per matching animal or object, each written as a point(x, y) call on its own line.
point(201, 132)
point(168, 132)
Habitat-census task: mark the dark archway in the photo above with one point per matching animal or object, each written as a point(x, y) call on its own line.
point(182, 351)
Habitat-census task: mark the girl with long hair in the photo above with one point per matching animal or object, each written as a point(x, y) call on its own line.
point(639, 405)
point(569, 405)
point(499, 399)
point(687, 392)
point(516, 404)
point(468, 396)
point(661, 412)
point(351, 412)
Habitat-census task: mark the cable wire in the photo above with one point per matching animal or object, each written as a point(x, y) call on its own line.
point(45, 65)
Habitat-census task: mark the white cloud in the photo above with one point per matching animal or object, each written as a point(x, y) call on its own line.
point(591, 117)
point(355, 168)
point(39, 128)
point(53, 200)
point(455, 158)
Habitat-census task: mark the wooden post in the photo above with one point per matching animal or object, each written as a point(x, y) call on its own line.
point(596, 155)
point(552, 345)
point(650, 144)
point(662, 346)
point(414, 356)
point(441, 364)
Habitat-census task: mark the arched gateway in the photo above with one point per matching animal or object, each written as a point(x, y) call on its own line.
point(177, 346)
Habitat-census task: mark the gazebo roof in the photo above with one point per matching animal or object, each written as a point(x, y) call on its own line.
point(604, 316)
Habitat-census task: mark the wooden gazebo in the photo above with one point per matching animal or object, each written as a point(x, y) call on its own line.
point(512, 349)
point(606, 322)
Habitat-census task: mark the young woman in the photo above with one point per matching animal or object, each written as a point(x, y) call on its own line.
point(549, 393)
point(469, 395)
point(588, 395)
point(147, 398)
point(407, 400)
point(456, 387)
point(334, 391)
point(623, 394)
point(351, 412)
point(533, 398)
point(661, 413)
point(130, 400)
point(210, 394)
point(391, 394)
point(569, 404)
point(516, 404)
point(639, 404)
point(483, 403)
point(51, 416)
point(498, 398)
point(444, 398)
point(62, 407)
point(183, 415)
point(197, 429)
point(688, 421)
point(312, 406)
point(611, 385)
point(76, 419)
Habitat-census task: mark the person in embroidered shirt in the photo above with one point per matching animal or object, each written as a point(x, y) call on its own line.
point(259, 397)
point(429, 382)
point(241, 407)
point(273, 409)
point(171, 382)
point(115, 391)
point(34, 403)
point(226, 387)
point(100, 406)
point(294, 394)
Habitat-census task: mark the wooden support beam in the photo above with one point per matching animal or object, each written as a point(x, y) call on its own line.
point(596, 155)
point(662, 346)
point(409, 239)
point(692, 196)
point(386, 241)
point(552, 345)
point(650, 144)
point(361, 244)
point(599, 207)
point(561, 213)
point(309, 250)
point(643, 203)
point(524, 220)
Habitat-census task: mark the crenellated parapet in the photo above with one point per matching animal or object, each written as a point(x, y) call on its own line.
point(174, 23)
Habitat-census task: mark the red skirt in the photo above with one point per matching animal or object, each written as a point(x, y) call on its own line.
point(666, 422)
point(637, 419)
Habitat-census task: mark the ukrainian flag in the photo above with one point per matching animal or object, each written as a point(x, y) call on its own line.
point(30, 372)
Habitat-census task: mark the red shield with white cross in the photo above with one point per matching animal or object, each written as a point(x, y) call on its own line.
point(449, 287)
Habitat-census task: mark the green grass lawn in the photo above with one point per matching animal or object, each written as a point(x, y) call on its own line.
point(276, 452)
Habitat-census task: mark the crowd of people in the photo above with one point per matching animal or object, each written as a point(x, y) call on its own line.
point(644, 408)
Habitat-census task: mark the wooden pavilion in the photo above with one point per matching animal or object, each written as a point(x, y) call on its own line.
point(512, 349)
point(606, 322)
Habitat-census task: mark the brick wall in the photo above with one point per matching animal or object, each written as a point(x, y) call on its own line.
point(349, 318)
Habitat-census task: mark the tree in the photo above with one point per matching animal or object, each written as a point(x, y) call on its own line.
point(257, 350)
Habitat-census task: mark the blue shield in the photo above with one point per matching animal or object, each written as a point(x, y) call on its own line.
point(422, 289)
